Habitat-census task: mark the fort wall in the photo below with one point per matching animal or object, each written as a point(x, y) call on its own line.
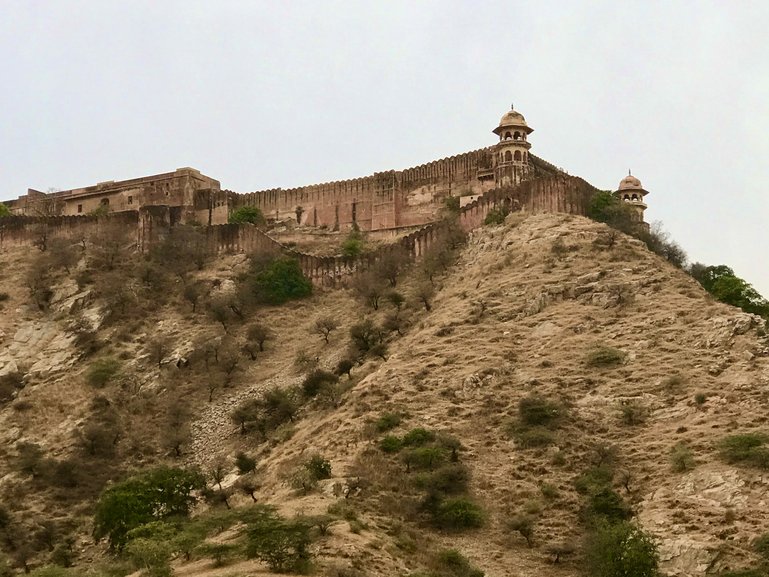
point(30, 230)
point(384, 200)
point(151, 224)
point(558, 193)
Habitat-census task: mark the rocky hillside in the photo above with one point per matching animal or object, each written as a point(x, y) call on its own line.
point(642, 377)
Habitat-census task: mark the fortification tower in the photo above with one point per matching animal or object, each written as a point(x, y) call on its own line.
point(631, 192)
point(512, 151)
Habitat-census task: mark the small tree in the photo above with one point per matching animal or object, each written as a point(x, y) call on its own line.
point(259, 334)
point(317, 380)
point(4, 211)
point(365, 335)
point(154, 495)
point(524, 525)
point(218, 472)
point(425, 293)
point(324, 326)
point(193, 291)
point(158, 349)
point(245, 463)
point(369, 287)
point(283, 545)
point(344, 367)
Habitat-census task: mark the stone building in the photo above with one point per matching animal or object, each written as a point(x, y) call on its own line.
point(390, 203)
point(171, 189)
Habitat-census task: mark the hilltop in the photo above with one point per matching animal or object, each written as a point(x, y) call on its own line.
point(628, 354)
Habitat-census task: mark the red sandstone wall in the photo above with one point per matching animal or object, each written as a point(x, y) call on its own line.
point(391, 199)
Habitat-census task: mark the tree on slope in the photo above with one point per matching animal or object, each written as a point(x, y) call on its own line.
point(154, 495)
point(621, 550)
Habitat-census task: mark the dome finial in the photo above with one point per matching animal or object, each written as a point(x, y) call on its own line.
point(512, 106)
point(628, 172)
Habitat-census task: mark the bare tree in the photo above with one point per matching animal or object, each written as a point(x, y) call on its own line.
point(158, 348)
point(324, 326)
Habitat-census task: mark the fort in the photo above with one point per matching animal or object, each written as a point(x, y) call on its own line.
point(403, 205)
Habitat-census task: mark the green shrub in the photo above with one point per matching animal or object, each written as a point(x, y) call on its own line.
point(633, 413)
point(449, 479)
point(247, 214)
point(387, 422)
point(424, 458)
point(606, 505)
point(496, 216)
point(4, 211)
point(536, 410)
point(391, 444)
point(681, 458)
point(318, 467)
point(746, 448)
point(700, 399)
point(604, 357)
point(245, 463)
point(451, 204)
point(418, 437)
point(458, 514)
point(352, 247)
point(152, 556)
point(344, 367)
point(451, 563)
point(221, 553)
point(761, 546)
point(594, 479)
point(549, 491)
point(605, 207)
point(365, 335)
point(101, 372)
point(621, 550)
point(533, 438)
point(316, 381)
point(280, 281)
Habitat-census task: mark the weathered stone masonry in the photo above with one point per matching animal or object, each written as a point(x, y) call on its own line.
point(151, 224)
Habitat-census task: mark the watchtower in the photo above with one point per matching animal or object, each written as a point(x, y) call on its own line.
point(512, 151)
point(631, 192)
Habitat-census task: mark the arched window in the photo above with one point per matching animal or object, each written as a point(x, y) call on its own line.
point(507, 136)
point(517, 135)
point(517, 155)
point(635, 197)
point(508, 156)
point(626, 198)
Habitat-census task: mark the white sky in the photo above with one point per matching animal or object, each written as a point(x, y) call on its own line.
point(269, 94)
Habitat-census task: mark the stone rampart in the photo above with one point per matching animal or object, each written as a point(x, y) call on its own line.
point(558, 193)
point(151, 224)
point(29, 230)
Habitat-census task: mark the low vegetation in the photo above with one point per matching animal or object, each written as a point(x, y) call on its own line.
point(746, 449)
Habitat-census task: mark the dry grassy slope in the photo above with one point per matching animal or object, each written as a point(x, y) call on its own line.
point(513, 317)
point(463, 371)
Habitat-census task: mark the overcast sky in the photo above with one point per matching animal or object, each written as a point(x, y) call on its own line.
point(281, 94)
